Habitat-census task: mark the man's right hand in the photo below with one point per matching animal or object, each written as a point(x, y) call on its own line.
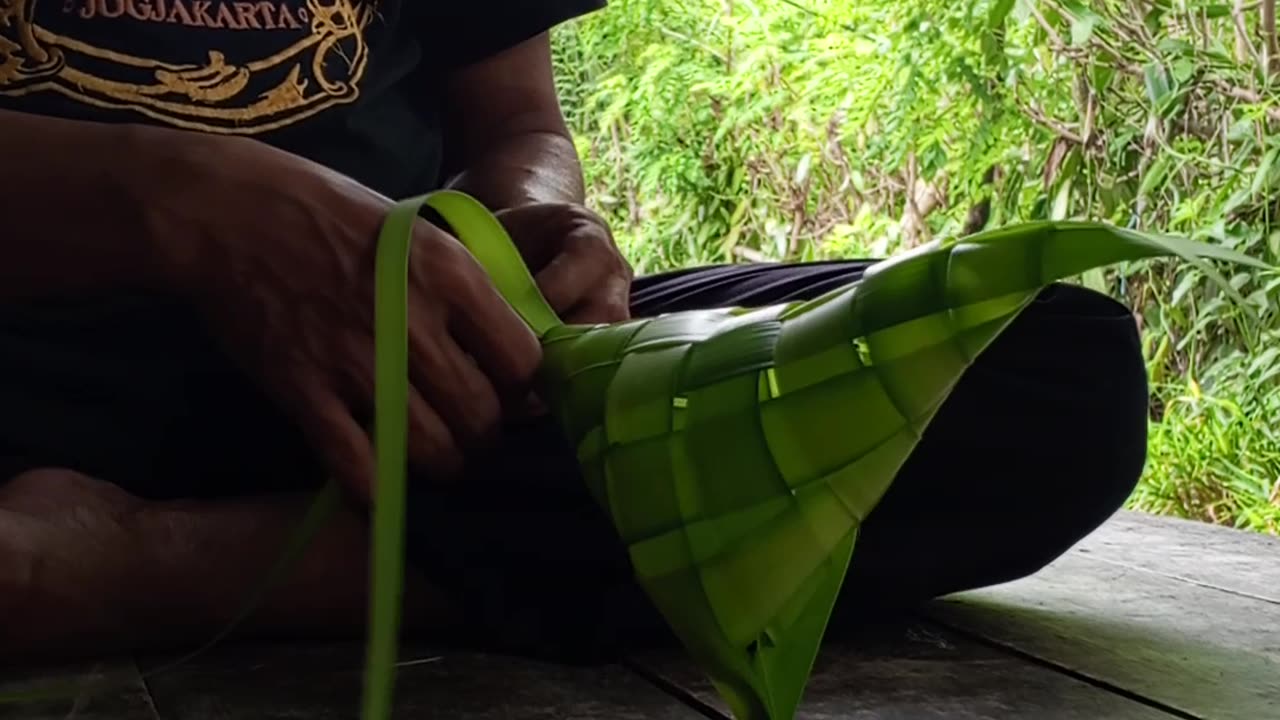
point(278, 254)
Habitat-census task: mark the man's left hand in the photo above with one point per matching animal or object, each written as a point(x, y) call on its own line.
point(574, 260)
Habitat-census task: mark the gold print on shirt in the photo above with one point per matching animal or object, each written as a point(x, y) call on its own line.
point(306, 56)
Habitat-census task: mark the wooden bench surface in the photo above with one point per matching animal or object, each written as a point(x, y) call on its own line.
point(1147, 619)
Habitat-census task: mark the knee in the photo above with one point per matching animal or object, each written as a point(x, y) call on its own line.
point(1095, 396)
point(1042, 440)
point(1073, 372)
point(45, 491)
point(19, 567)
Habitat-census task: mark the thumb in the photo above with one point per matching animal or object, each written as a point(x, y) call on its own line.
point(343, 446)
point(538, 231)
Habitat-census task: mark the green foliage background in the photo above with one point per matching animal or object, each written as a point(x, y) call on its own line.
point(728, 130)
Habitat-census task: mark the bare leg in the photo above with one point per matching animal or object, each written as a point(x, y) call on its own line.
point(87, 569)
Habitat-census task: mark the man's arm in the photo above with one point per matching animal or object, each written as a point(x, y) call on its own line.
point(505, 136)
point(508, 144)
point(72, 207)
point(275, 253)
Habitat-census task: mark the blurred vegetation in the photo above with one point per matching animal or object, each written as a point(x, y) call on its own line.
point(730, 130)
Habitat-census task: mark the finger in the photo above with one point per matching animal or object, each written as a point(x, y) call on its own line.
point(327, 424)
point(489, 330)
point(588, 291)
point(610, 302)
point(460, 305)
point(568, 279)
point(431, 445)
point(530, 407)
point(454, 387)
point(537, 230)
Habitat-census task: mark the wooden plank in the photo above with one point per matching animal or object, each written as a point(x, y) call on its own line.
point(910, 671)
point(1243, 562)
point(107, 691)
point(1205, 652)
point(323, 683)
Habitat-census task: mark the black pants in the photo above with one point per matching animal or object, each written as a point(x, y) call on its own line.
point(1041, 441)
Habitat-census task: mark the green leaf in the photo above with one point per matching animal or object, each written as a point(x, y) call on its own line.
point(1265, 172)
point(1189, 279)
point(1062, 201)
point(991, 48)
point(1022, 11)
point(999, 11)
point(1153, 18)
point(1176, 47)
point(1111, 197)
point(1051, 15)
point(1101, 74)
point(1082, 28)
point(1156, 81)
point(1183, 70)
point(1155, 175)
point(1236, 200)
point(802, 170)
point(1071, 163)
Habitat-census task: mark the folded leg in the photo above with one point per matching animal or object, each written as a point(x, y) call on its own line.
point(87, 568)
point(146, 488)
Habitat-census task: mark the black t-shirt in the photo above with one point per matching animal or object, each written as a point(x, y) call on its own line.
point(352, 84)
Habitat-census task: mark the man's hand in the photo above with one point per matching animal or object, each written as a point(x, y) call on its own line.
point(507, 145)
point(574, 259)
point(278, 254)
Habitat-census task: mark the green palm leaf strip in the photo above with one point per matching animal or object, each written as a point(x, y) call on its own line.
point(738, 451)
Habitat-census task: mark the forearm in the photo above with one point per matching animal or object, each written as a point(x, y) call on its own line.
point(534, 167)
point(74, 213)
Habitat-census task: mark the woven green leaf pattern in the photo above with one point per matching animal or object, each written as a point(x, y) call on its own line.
point(738, 451)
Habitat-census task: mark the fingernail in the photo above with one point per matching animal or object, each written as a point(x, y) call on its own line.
point(534, 406)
